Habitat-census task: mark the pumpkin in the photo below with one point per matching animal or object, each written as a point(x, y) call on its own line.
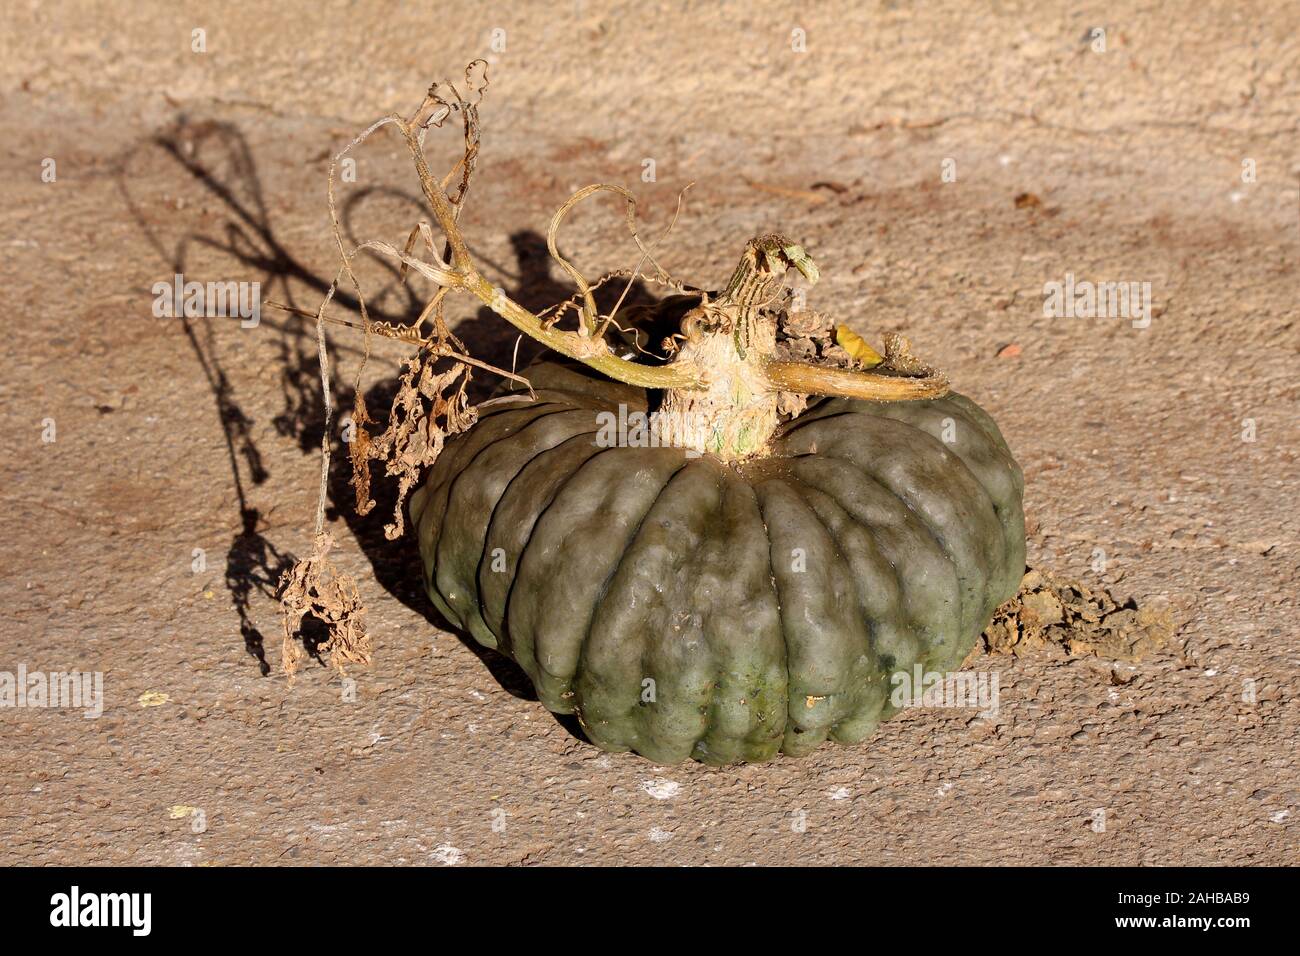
point(685, 604)
point(804, 519)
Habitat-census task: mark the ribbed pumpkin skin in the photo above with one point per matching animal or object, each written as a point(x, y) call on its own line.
point(769, 602)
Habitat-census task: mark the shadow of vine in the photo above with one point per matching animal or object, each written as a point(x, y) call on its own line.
point(216, 156)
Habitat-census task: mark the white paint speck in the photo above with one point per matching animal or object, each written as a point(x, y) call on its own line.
point(659, 835)
point(839, 793)
point(1279, 816)
point(448, 855)
point(661, 789)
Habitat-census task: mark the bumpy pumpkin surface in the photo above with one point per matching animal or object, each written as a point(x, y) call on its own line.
point(686, 607)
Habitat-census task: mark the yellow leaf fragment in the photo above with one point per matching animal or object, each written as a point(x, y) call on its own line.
point(153, 698)
point(857, 347)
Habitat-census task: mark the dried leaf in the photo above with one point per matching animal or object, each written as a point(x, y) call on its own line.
point(315, 587)
point(429, 407)
point(807, 324)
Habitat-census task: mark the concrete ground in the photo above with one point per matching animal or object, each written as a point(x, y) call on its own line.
point(940, 162)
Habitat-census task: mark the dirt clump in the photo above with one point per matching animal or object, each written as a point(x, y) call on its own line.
point(1052, 612)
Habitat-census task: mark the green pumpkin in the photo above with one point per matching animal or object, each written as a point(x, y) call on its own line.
point(687, 607)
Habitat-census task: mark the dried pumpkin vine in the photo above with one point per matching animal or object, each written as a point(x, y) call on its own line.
point(742, 361)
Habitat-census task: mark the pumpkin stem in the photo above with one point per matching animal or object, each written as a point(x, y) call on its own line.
point(806, 379)
point(733, 338)
point(757, 281)
point(723, 385)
